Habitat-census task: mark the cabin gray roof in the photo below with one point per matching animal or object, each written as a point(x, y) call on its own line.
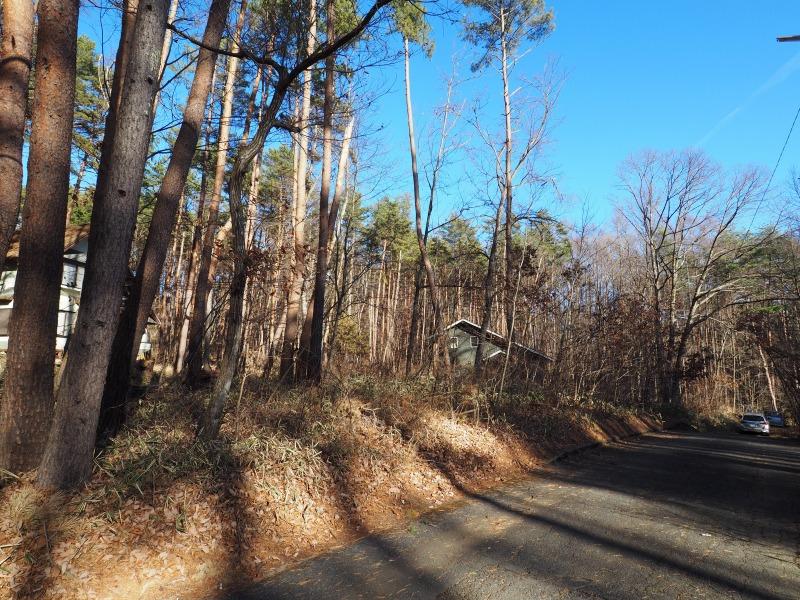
point(495, 338)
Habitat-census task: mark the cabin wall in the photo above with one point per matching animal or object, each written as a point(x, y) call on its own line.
point(463, 347)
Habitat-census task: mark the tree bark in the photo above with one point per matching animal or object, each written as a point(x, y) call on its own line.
point(508, 181)
point(15, 66)
point(166, 46)
point(307, 340)
point(151, 263)
point(421, 241)
point(118, 82)
point(297, 266)
point(297, 274)
point(67, 459)
point(768, 375)
point(27, 407)
point(204, 275)
point(197, 240)
point(318, 313)
point(212, 420)
point(234, 323)
point(488, 292)
point(314, 356)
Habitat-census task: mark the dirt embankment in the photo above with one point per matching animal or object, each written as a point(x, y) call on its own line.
point(295, 473)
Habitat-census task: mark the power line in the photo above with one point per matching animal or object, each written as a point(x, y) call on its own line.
point(777, 163)
point(785, 143)
point(784, 38)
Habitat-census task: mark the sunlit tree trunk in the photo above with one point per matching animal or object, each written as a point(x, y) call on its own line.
point(421, 241)
point(508, 181)
point(151, 263)
point(129, 16)
point(15, 65)
point(165, 50)
point(204, 275)
point(298, 267)
point(68, 455)
point(197, 241)
point(28, 403)
point(311, 356)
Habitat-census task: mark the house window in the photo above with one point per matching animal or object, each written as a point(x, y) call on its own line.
point(453, 343)
point(473, 341)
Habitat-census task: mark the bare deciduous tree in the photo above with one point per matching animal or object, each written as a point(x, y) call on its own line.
point(685, 211)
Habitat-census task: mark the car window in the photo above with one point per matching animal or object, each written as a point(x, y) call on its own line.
point(752, 418)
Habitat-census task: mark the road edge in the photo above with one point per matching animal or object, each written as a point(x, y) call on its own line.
point(652, 425)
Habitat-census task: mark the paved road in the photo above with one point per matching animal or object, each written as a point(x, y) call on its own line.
point(671, 515)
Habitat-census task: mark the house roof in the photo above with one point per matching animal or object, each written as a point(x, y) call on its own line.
point(495, 338)
point(73, 235)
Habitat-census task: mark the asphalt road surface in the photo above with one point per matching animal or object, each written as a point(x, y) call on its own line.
point(668, 515)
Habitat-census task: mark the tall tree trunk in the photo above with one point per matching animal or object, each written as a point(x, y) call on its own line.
point(317, 353)
point(421, 241)
point(297, 274)
point(15, 66)
point(768, 375)
point(67, 458)
point(165, 50)
point(344, 260)
point(129, 15)
point(234, 324)
point(197, 240)
point(204, 283)
point(27, 407)
point(508, 182)
point(151, 263)
point(252, 209)
point(313, 359)
point(313, 334)
point(212, 419)
point(488, 291)
point(413, 326)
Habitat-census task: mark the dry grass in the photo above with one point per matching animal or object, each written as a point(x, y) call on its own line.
point(296, 471)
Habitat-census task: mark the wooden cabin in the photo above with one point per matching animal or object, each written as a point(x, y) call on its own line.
point(463, 339)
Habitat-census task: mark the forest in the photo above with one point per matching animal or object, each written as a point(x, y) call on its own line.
point(222, 166)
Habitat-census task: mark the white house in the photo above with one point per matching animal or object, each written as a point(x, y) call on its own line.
point(76, 242)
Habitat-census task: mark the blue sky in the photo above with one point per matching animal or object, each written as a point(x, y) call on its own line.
point(640, 75)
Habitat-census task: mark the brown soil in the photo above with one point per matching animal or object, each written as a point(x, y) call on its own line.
point(295, 474)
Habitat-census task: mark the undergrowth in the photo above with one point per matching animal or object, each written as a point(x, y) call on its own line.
point(294, 470)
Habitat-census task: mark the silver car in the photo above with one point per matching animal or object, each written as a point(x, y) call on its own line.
point(754, 423)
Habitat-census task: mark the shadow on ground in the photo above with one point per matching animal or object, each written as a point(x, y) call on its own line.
point(666, 515)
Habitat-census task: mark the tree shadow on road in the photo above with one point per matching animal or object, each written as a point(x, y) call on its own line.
point(592, 550)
